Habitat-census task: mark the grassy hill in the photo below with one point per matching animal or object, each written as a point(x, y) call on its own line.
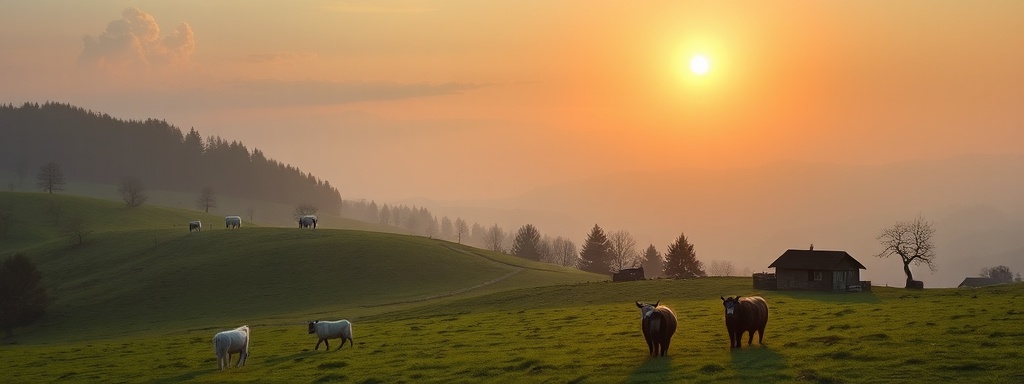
point(589, 333)
point(142, 270)
point(141, 304)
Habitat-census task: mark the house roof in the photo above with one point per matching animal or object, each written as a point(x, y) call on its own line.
point(978, 282)
point(820, 260)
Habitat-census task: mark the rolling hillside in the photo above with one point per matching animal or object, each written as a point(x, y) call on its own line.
point(142, 270)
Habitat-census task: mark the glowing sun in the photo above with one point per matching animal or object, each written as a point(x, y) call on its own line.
point(700, 65)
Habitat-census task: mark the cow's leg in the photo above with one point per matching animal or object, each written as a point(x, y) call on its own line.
point(750, 341)
point(318, 344)
point(327, 344)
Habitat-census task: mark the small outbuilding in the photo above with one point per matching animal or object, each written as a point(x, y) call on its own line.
point(974, 282)
point(808, 269)
point(629, 274)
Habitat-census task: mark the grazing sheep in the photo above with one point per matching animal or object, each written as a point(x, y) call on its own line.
point(229, 342)
point(232, 222)
point(195, 226)
point(341, 329)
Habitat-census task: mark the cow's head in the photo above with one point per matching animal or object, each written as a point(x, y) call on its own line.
point(312, 328)
point(646, 308)
point(730, 305)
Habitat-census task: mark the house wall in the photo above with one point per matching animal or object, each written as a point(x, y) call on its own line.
point(797, 279)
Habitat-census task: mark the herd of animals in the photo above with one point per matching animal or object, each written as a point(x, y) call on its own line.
point(742, 314)
point(657, 322)
point(232, 222)
point(230, 342)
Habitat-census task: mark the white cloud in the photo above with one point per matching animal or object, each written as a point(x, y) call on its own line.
point(134, 44)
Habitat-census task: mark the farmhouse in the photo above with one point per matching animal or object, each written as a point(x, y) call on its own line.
point(807, 269)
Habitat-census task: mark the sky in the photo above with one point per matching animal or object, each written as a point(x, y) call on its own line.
point(476, 100)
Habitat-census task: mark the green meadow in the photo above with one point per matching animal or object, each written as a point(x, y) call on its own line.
point(141, 300)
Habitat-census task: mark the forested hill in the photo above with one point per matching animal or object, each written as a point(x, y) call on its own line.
point(95, 147)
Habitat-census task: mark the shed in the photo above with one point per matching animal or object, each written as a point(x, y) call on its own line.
point(807, 269)
point(629, 274)
point(974, 282)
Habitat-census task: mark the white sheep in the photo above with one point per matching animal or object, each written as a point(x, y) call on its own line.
point(340, 329)
point(229, 342)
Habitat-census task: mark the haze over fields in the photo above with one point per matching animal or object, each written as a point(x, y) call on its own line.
point(816, 122)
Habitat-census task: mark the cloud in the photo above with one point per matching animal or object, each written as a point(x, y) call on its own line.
point(134, 43)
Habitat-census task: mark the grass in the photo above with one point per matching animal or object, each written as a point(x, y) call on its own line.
point(588, 332)
point(142, 304)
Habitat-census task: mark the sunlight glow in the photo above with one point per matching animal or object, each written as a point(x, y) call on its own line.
point(700, 65)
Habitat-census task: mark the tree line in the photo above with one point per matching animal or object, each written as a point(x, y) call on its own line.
point(601, 253)
point(97, 148)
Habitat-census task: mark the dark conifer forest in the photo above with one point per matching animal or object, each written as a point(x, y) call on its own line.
point(97, 148)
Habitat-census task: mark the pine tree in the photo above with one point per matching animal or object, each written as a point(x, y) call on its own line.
point(652, 262)
point(681, 261)
point(596, 252)
point(527, 243)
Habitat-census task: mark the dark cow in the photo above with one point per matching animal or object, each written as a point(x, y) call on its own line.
point(658, 324)
point(745, 314)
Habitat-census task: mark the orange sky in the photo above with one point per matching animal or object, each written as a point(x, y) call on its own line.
point(471, 99)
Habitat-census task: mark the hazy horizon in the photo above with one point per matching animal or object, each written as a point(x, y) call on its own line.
point(488, 105)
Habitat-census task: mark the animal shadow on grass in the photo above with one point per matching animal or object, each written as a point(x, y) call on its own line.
point(758, 365)
point(653, 370)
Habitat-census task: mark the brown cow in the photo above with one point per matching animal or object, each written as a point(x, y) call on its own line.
point(658, 323)
point(745, 314)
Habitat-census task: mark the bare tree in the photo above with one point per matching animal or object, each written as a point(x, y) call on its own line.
point(50, 178)
point(132, 191)
point(1001, 273)
point(207, 199)
point(563, 252)
point(494, 239)
point(721, 268)
point(461, 229)
point(912, 242)
point(251, 213)
point(623, 250)
point(305, 209)
point(76, 228)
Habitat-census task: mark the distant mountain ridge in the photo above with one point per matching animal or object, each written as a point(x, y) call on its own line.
point(95, 147)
